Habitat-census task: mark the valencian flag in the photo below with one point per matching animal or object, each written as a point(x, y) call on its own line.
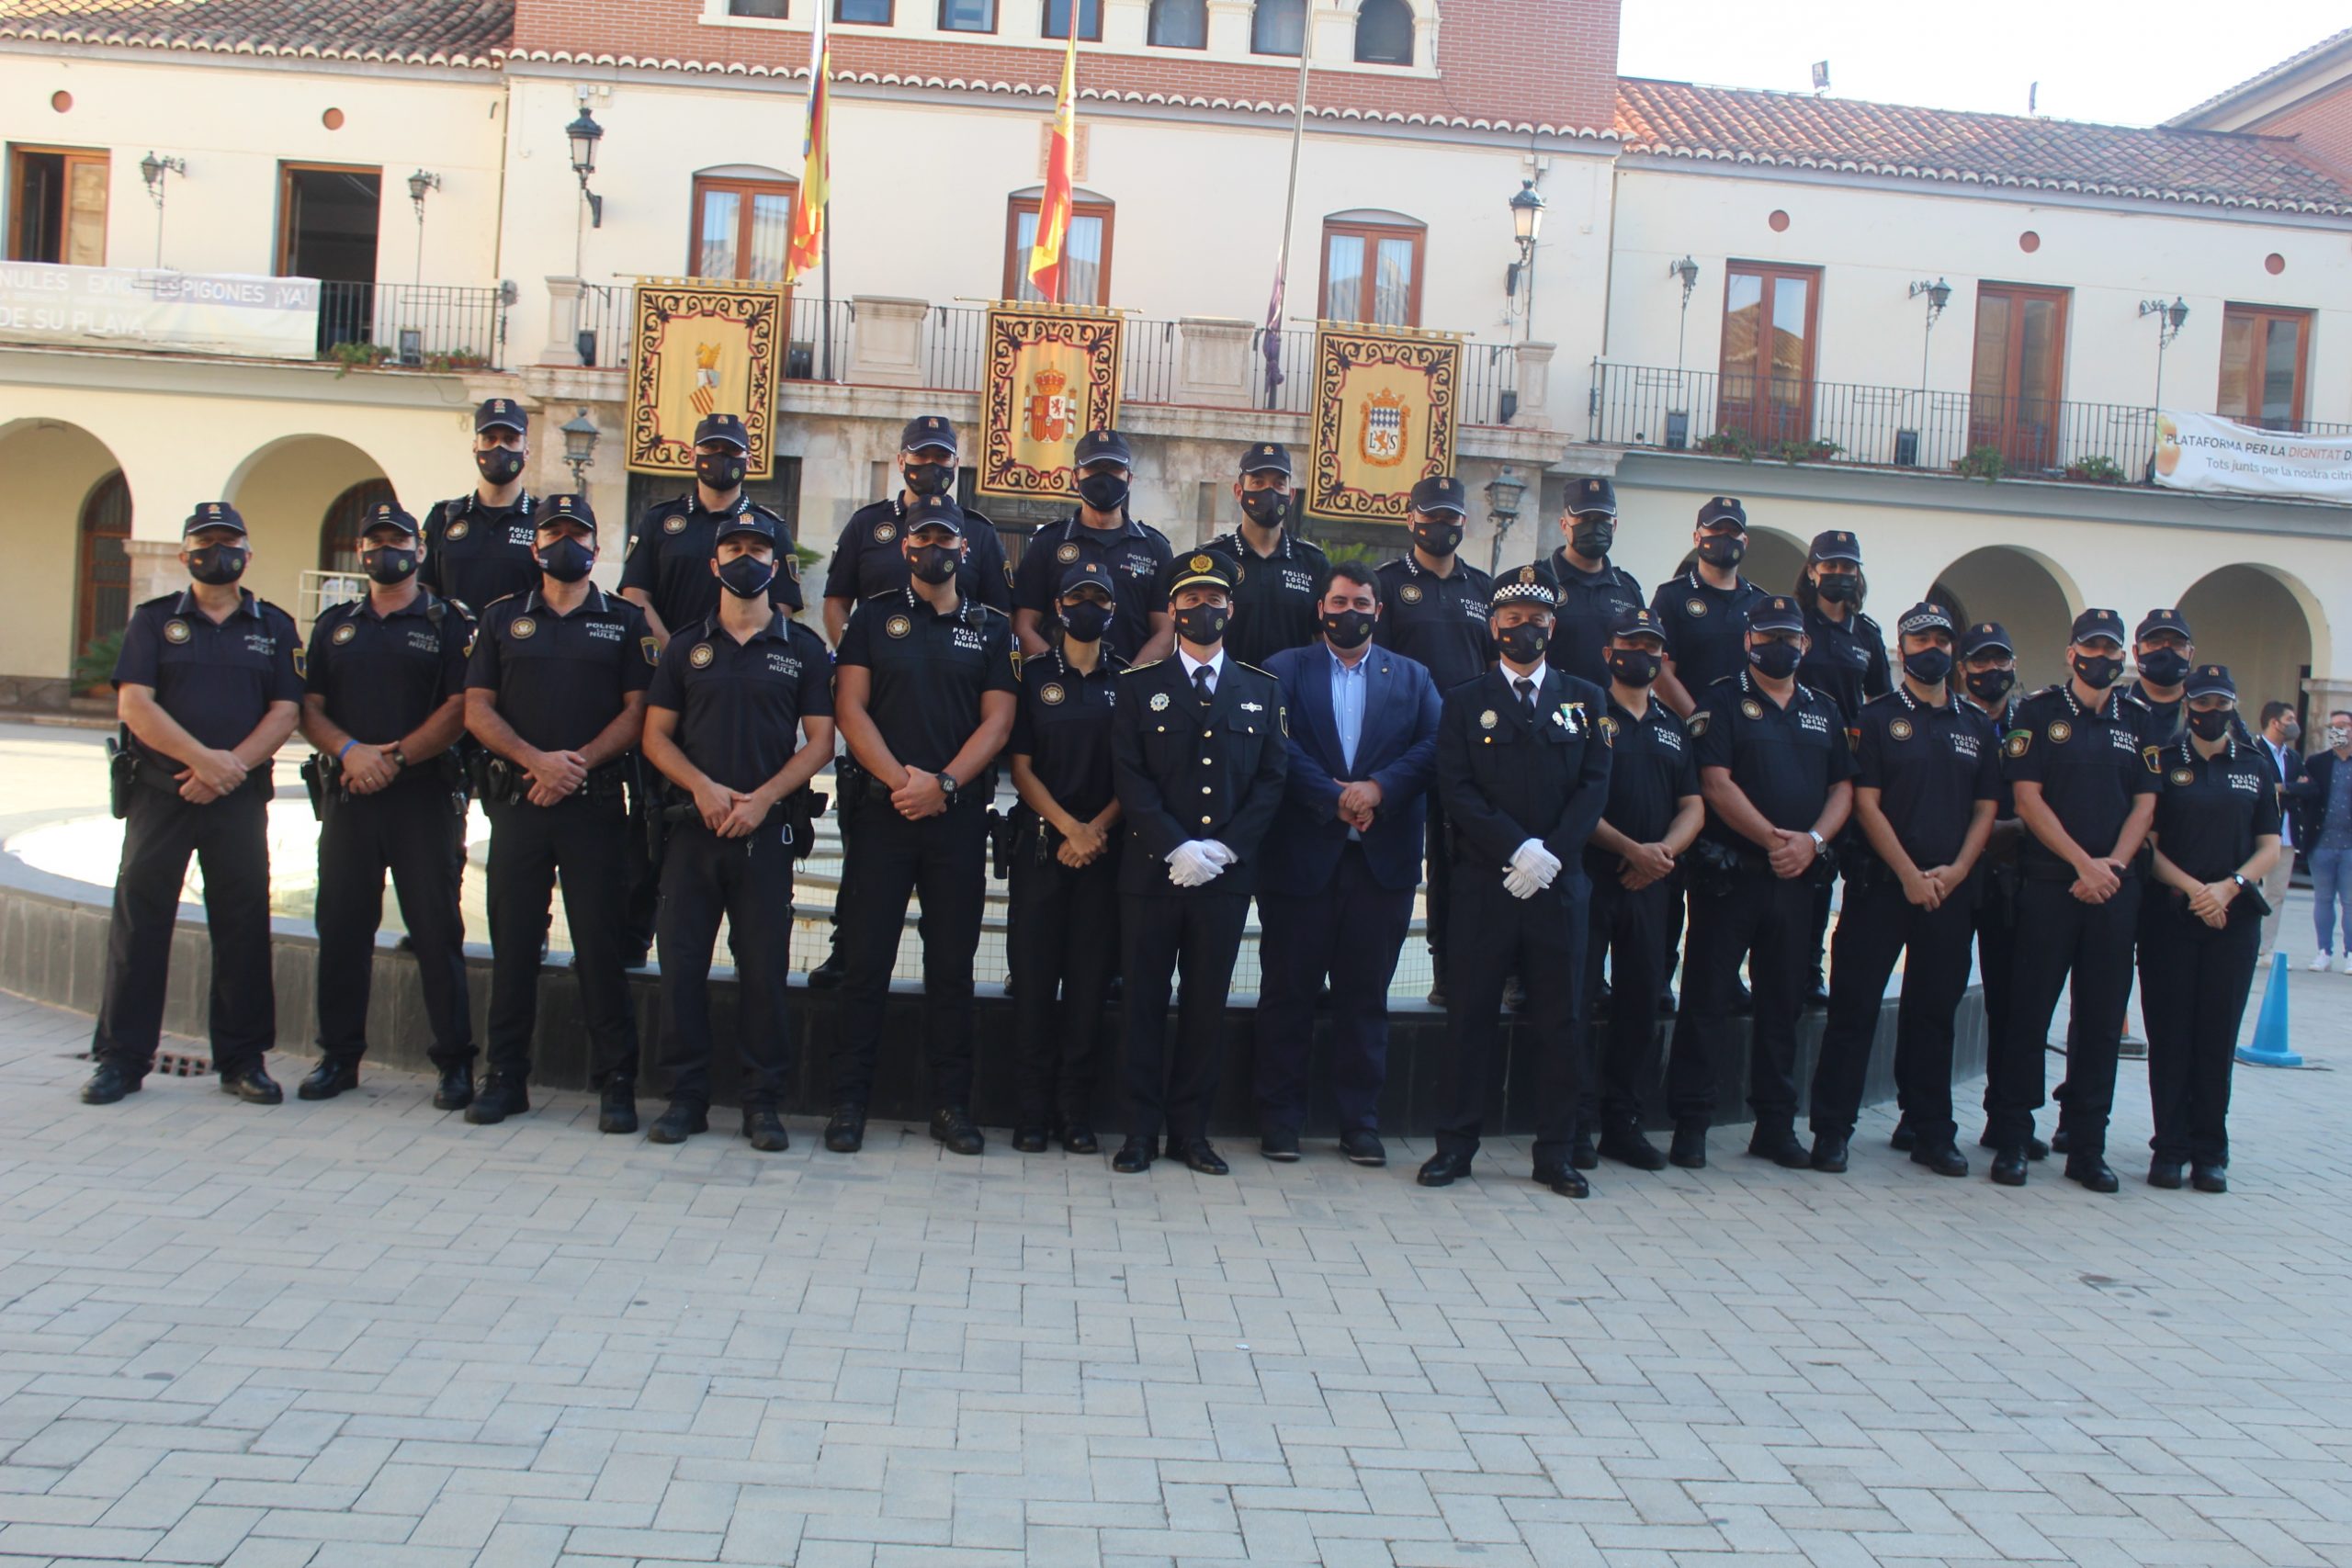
point(1053, 211)
point(816, 177)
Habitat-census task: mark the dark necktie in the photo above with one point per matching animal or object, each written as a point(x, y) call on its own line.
point(1526, 694)
point(1201, 684)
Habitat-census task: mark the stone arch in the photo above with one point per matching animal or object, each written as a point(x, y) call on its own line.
point(2265, 624)
point(284, 491)
point(2030, 594)
point(55, 468)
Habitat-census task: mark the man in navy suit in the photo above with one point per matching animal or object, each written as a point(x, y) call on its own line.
point(1340, 865)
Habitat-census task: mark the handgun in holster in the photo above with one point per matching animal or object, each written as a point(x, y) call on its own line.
point(1002, 832)
point(852, 782)
point(122, 774)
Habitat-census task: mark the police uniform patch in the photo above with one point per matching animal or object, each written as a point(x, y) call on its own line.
point(1486, 720)
point(1751, 708)
point(791, 567)
point(1698, 723)
point(1694, 606)
point(522, 627)
point(344, 633)
point(175, 631)
point(2015, 744)
point(885, 531)
point(1050, 693)
point(2183, 776)
point(652, 649)
point(702, 656)
point(2152, 756)
point(457, 530)
point(1410, 593)
point(674, 524)
point(898, 626)
point(2061, 732)
point(1900, 729)
point(301, 664)
point(1237, 572)
point(1160, 702)
point(1068, 552)
point(1609, 729)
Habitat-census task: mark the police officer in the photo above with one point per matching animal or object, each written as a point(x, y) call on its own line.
point(1064, 888)
point(1847, 663)
point(667, 572)
point(2086, 797)
point(477, 547)
point(1198, 761)
point(1703, 611)
point(1522, 761)
point(2216, 834)
point(385, 698)
point(208, 684)
point(720, 717)
point(1280, 575)
point(1925, 788)
point(1100, 529)
point(2165, 651)
point(1436, 615)
point(925, 689)
point(1776, 772)
point(1595, 593)
point(555, 691)
point(1633, 863)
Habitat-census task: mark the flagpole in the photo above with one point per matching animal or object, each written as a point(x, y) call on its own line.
point(825, 275)
point(1289, 205)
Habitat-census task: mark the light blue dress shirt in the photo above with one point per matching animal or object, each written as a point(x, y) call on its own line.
point(1348, 682)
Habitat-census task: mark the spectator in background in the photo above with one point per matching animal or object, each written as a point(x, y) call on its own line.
point(2325, 830)
point(2281, 732)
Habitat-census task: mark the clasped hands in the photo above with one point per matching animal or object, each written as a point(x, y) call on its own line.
point(1195, 863)
point(1531, 869)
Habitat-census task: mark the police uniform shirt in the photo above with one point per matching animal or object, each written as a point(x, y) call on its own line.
point(1507, 775)
point(740, 704)
point(1784, 760)
point(2089, 765)
point(669, 557)
point(1276, 598)
point(2004, 798)
point(1847, 661)
point(477, 554)
point(1706, 626)
point(1930, 766)
point(1590, 603)
point(2210, 810)
point(1438, 622)
point(1654, 766)
point(2158, 724)
point(1063, 726)
point(1130, 554)
point(928, 671)
point(559, 680)
point(216, 680)
point(868, 559)
point(383, 675)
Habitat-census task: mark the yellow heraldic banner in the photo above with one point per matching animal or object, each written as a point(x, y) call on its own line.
point(1385, 405)
point(703, 347)
point(1053, 375)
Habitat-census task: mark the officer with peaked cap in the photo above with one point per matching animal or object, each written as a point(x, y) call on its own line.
point(1847, 663)
point(1595, 592)
point(478, 547)
point(1279, 575)
point(1704, 608)
point(1101, 528)
point(666, 573)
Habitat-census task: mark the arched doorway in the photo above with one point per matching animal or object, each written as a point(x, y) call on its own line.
point(103, 572)
point(2248, 617)
point(339, 529)
point(61, 478)
point(302, 497)
point(2025, 595)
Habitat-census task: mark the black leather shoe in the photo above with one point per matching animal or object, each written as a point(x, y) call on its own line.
point(1279, 1145)
point(2091, 1173)
point(1028, 1140)
point(2035, 1148)
point(501, 1097)
point(1816, 999)
point(329, 1079)
point(845, 1129)
point(682, 1121)
point(1906, 1137)
point(1080, 1141)
point(828, 975)
point(616, 1109)
point(1780, 1145)
point(255, 1087)
point(764, 1130)
point(110, 1083)
point(1689, 1147)
point(2165, 1173)
point(1199, 1157)
point(1136, 1156)
point(1627, 1146)
point(2008, 1165)
point(2061, 1139)
point(1582, 1156)
point(1437, 993)
point(1944, 1159)
point(952, 1129)
point(456, 1089)
point(1565, 1179)
point(1444, 1169)
point(1829, 1153)
point(1363, 1147)
point(2210, 1178)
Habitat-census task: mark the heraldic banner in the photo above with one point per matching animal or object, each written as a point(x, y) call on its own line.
point(1385, 406)
point(1053, 375)
point(703, 348)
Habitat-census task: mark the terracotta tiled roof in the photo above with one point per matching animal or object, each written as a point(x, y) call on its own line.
point(424, 33)
point(2264, 78)
point(1736, 124)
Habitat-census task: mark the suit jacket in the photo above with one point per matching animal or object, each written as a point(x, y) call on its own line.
point(1184, 772)
point(2307, 796)
point(1397, 749)
point(1506, 778)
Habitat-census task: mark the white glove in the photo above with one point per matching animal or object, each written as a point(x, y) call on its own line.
point(1519, 885)
point(1539, 864)
point(1217, 853)
point(1189, 864)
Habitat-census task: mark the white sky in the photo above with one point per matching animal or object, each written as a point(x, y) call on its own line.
point(2123, 62)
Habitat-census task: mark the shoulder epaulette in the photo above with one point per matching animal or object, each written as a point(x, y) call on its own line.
point(1139, 669)
point(1240, 664)
point(988, 609)
point(160, 599)
point(262, 604)
point(1149, 529)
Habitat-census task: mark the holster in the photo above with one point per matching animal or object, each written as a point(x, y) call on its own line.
point(1715, 867)
point(852, 782)
point(315, 784)
point(1003, 832)
point(122, 774)
point(801, 809)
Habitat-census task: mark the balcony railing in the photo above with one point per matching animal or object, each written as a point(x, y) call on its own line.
point(426, 326)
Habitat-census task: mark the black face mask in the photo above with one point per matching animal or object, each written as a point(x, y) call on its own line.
point(1991, 686)
point(1776, 660)
point(1839, 588)
point(930, 479)
point(2209, 725)
point(721, 470)
point(1593, 537)
point(1723, 549)
point(1441, 539)
point(2163, 667)
point(1203, 626)
point(500, 465)
point(1635, 666)
point(389, 564)
point(933, 564)
point(1929, 665)
point(746, 577)
point(1103, 492)
point(2098, 671)
point(1347, 628)
point(1266, 508)
point(1086, 620)
point(1524, 643)
point(218, 565)
point(566, 560)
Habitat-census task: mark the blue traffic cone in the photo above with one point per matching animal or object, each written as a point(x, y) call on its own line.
point(2269, 1047)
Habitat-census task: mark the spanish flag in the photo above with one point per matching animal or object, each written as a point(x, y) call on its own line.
point(808, 246)
point(1053, 211)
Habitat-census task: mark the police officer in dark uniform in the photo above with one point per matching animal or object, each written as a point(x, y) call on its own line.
point(667, 572)
point(1777, 772)
point(1198, 759)
point(1436, 615)
point(386, 697)
point(720, 719)
point(1595, 593)
point(555, 691)
point(1522, 761)
point(1848, 664)
point(1064, 888)
point(1103, 530)
point(2086, 795)
point(2216, 835)
point(2165, 651)
point(926, 683)
point(477, 548)
point(1280, 579)
point(1925, 788)
point(1633, 863)
point(208, 684)
point(1704, 610)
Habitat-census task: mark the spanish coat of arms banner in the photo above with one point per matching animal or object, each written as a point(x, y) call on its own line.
point(1053, 375)
point(1385, 405)
point(703, 347)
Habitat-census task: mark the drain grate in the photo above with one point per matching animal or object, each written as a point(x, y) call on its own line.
point(171, 1064)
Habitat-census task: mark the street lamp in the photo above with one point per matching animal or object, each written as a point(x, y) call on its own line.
point(1677, 420)
point(152, 170)
point(418, 184)
point(579, 434)
point(1938, 293)
point(1526, 223)
point(583, 134)
point(1503, 495)
point(2169, 319)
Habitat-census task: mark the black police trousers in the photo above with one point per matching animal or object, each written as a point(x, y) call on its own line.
point(1628, 929)
point(748, 881)
point(1541, 940)
point(1437, 900)
point(1768, 921)
point(1996, 948)
point(942, 861)
point(1880, 925)
point(1197, 933)
point(2193, 987)
point(1064, 946)
point(406, 829)
point(584, 839)
point(1353, 930)
point(229, 839)
point(641, 904)
point(2061, 938)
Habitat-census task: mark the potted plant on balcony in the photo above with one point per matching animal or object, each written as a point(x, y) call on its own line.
point(1728, 443)
point(1983, 462)
point(2096, 470)
point(1805, 450)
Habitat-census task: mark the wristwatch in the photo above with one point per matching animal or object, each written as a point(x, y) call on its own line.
point(400, 758)
point(1820, 845)
point(2244, 886)
point(947, 785)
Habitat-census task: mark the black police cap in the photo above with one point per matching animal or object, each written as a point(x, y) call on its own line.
point(1440, 492)
point(556, 508)
point(1723, 509)
point(933, 511)
point(2209, 680)
point(1836, 544)
point(1926, 615)
point(723, 427)
point(2156, 621)
point(387, 515)
point(1103, 446)
point(1085, 575)
point(1592, 493)
point(2096, 624)
point(750, 519)
point(1638, 621)
point(1986, 635)
point(931, 430)
point(500, 414)
point(1777, 613)
point(213, 514)
point(1266, 457)
point(1212, 567)
point(1531, 584)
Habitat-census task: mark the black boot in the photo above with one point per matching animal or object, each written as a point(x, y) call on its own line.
point(110, 1083)
point(845, 1129)
point(952, 1129)
point(1944, 1158)
point(1829, 1153)
point(455, 1090)
point(1689, 1147)
point(2091, 1172)
point(501, 1097)
point(828, 975)
point(1444, 1169)
point(2165, 1173)
point(682, 1121)
point(616, 1109)
point(2008, 1165)
point(1624, 1143)
point(2210, 1178)
point(1778, 1143)
point(764, 1129)
point(253, 1086)
point(329, 1079)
